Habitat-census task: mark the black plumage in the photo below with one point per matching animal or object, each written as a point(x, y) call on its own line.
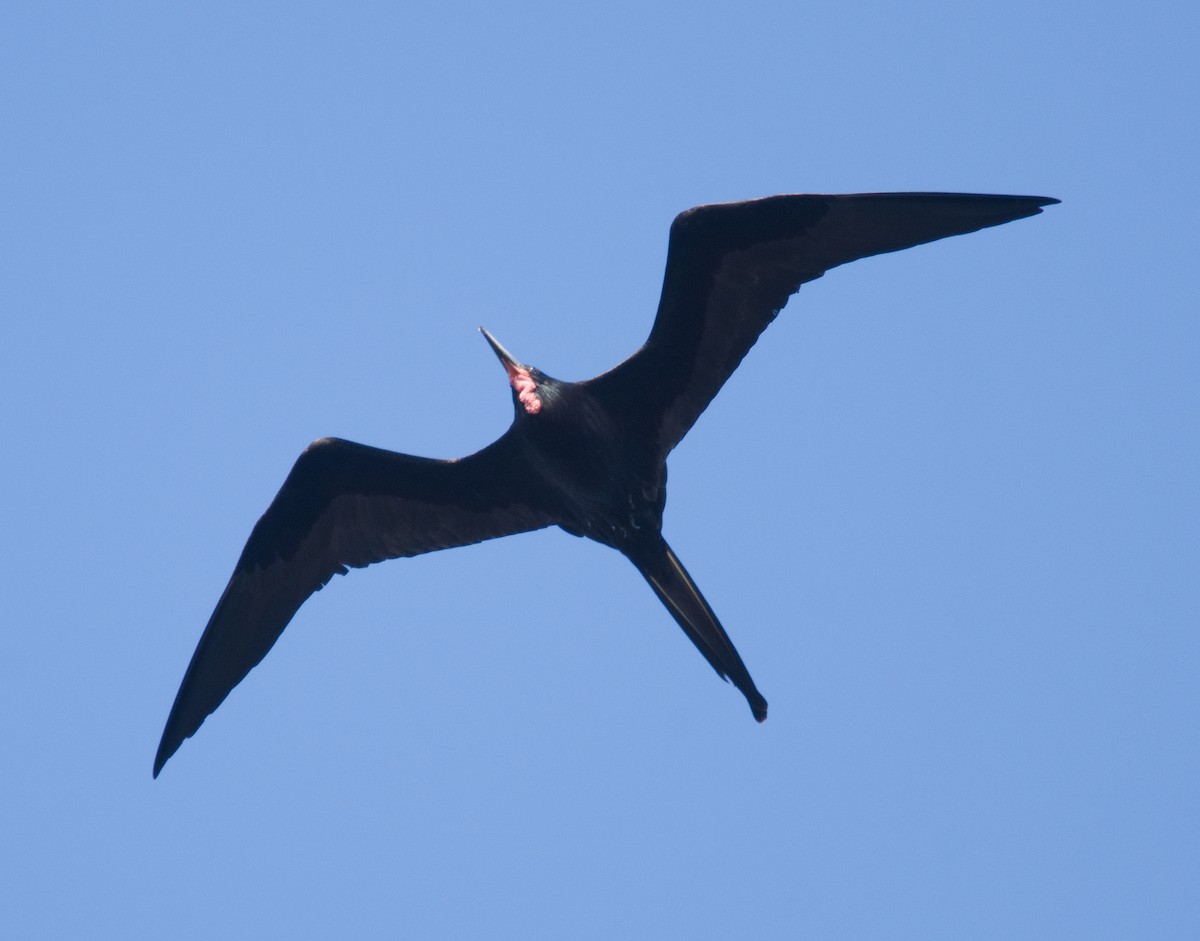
point(589, 457)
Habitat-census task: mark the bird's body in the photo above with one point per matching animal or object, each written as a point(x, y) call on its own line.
point(589, 457)
point(606, 485)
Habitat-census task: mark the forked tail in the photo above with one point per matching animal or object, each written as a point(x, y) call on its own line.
point(682, 598)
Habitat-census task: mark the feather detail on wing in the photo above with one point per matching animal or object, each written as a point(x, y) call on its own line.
point(731, 268)
point(344, 505)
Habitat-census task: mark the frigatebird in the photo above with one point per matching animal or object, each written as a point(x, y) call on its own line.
point(588, 457)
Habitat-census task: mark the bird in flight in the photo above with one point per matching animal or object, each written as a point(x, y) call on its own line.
point(588, 457)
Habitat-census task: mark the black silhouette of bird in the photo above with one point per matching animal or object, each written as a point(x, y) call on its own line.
point(589, 457)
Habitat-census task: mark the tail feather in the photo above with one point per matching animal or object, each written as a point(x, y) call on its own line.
point(677, 591)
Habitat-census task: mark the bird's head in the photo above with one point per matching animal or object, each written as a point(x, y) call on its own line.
point(529, 385)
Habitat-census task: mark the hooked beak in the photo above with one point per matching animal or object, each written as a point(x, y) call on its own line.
point(509, 361)
point(525, 387)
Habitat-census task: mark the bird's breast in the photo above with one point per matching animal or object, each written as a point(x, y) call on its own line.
point(605, 485)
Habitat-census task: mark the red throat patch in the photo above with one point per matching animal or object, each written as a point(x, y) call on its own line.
point(526, 389)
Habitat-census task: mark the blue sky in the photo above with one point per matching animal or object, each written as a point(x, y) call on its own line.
point(946, 509)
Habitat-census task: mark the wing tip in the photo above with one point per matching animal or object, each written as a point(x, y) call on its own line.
point(171, 741)
point(758, 706)
point(1041, 202)
point(163, 755)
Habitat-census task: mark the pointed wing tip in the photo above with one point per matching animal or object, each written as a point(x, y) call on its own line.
point(169, 744)
point(1022, 205)
point(164, 755)
point(1005, 203)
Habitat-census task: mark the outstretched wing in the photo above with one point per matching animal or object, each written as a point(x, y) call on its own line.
point(731, 267)
point(343, 505)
